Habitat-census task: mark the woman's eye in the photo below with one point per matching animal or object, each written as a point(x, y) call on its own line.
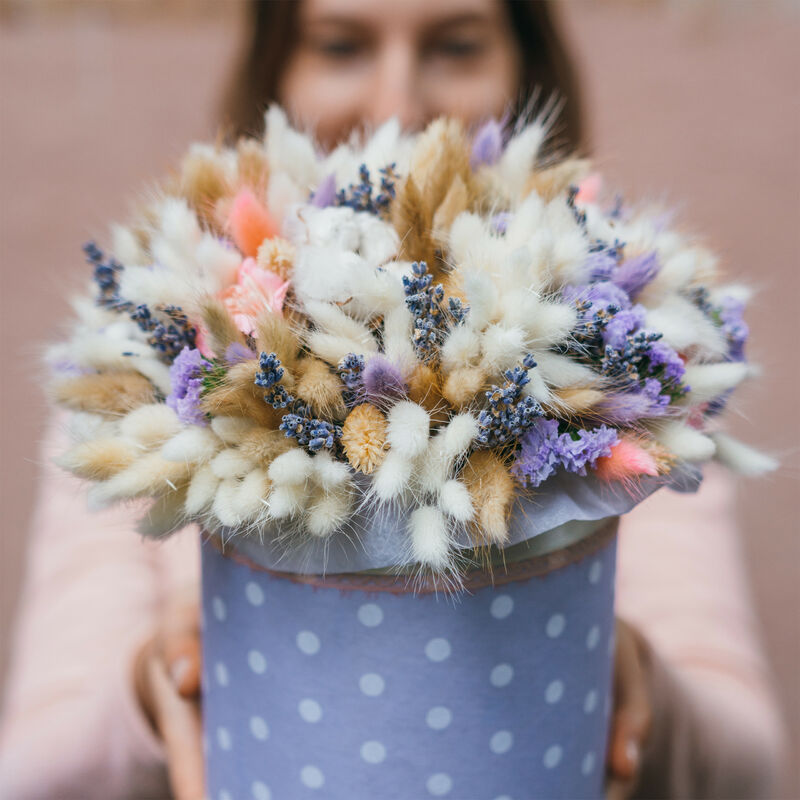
point(340, 48)
point(458, 48)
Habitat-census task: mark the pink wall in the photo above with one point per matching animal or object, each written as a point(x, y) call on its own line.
point(698, 107)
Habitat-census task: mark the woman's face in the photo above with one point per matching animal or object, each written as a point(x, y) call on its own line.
point(360, 62)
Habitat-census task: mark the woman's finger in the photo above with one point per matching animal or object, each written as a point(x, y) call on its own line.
point(631, 720)
point(180, 645)
point(180, 724)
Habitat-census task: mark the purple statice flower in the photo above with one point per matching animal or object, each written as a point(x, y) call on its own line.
point(543, 450)
point(499, 222)
point(536, 460)
point(382, 380)
point(635, 273)
point(577, 451)
point(730, 314)
point(509, 414)
point(621, 324)
point(660, 354)
point(186, 379)
point(236, 352)
point(325, 194)
point(599, 264)
point(487, 146)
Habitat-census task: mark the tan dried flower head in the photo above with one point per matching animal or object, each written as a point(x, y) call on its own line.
point(364, 437)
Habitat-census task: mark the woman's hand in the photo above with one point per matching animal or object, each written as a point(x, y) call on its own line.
point(167, 680)
point(632, 718)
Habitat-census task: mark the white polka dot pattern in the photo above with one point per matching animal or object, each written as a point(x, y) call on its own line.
point(316, 692)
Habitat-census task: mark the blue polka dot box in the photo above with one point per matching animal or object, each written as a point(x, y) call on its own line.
point(360, 685)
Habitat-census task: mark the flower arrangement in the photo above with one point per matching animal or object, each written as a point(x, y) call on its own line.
point(439, 323)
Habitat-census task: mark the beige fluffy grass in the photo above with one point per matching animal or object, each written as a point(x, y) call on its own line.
point(222, 331)
point(264, 445)
point(100, 459)
point(364, 438)
point(462, 384)
point(106, 393)
point(491, 490)
point(238, 396)
point(320, 388)
point(277, 255)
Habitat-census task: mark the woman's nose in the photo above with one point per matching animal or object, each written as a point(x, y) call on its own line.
point(396, 90)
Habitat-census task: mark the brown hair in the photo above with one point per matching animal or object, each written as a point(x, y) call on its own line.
point(547, 70)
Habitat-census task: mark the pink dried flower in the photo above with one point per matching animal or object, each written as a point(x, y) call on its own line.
point(256, 290)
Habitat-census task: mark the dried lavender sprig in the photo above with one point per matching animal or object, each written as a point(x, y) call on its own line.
point(425, 304)
point(359, 196)
point(509, 414)
point(312, 433)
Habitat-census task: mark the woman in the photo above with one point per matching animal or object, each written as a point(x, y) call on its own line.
point(693, 714)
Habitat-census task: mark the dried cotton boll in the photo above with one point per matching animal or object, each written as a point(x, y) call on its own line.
point(491, 489)
point(462, 385)
point(707, 381)
point(684, 442)
point(109, 392)
point(408, 429)
point(392, 477)
point(429, 537)
point(740, 457)
point(100, 459)
point(455, 501)
point(202, 488)
point(364, 438)
point(193, 445)
point(232, 430)
point(231, 463)
point(461, 348)
point(150, 425)
point(292, 468)
point(225, 506)
point(378, 240)
point(320, 388)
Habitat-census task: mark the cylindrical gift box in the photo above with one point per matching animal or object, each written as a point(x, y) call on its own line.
point(354, 686)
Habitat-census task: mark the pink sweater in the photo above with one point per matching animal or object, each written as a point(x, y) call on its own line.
point(72, 727)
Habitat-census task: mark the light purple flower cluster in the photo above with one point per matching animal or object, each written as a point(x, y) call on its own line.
point(186, 378)
point(381, 380)
point(543, 450)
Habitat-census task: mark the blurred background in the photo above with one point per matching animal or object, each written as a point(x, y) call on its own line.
point(692, 103)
